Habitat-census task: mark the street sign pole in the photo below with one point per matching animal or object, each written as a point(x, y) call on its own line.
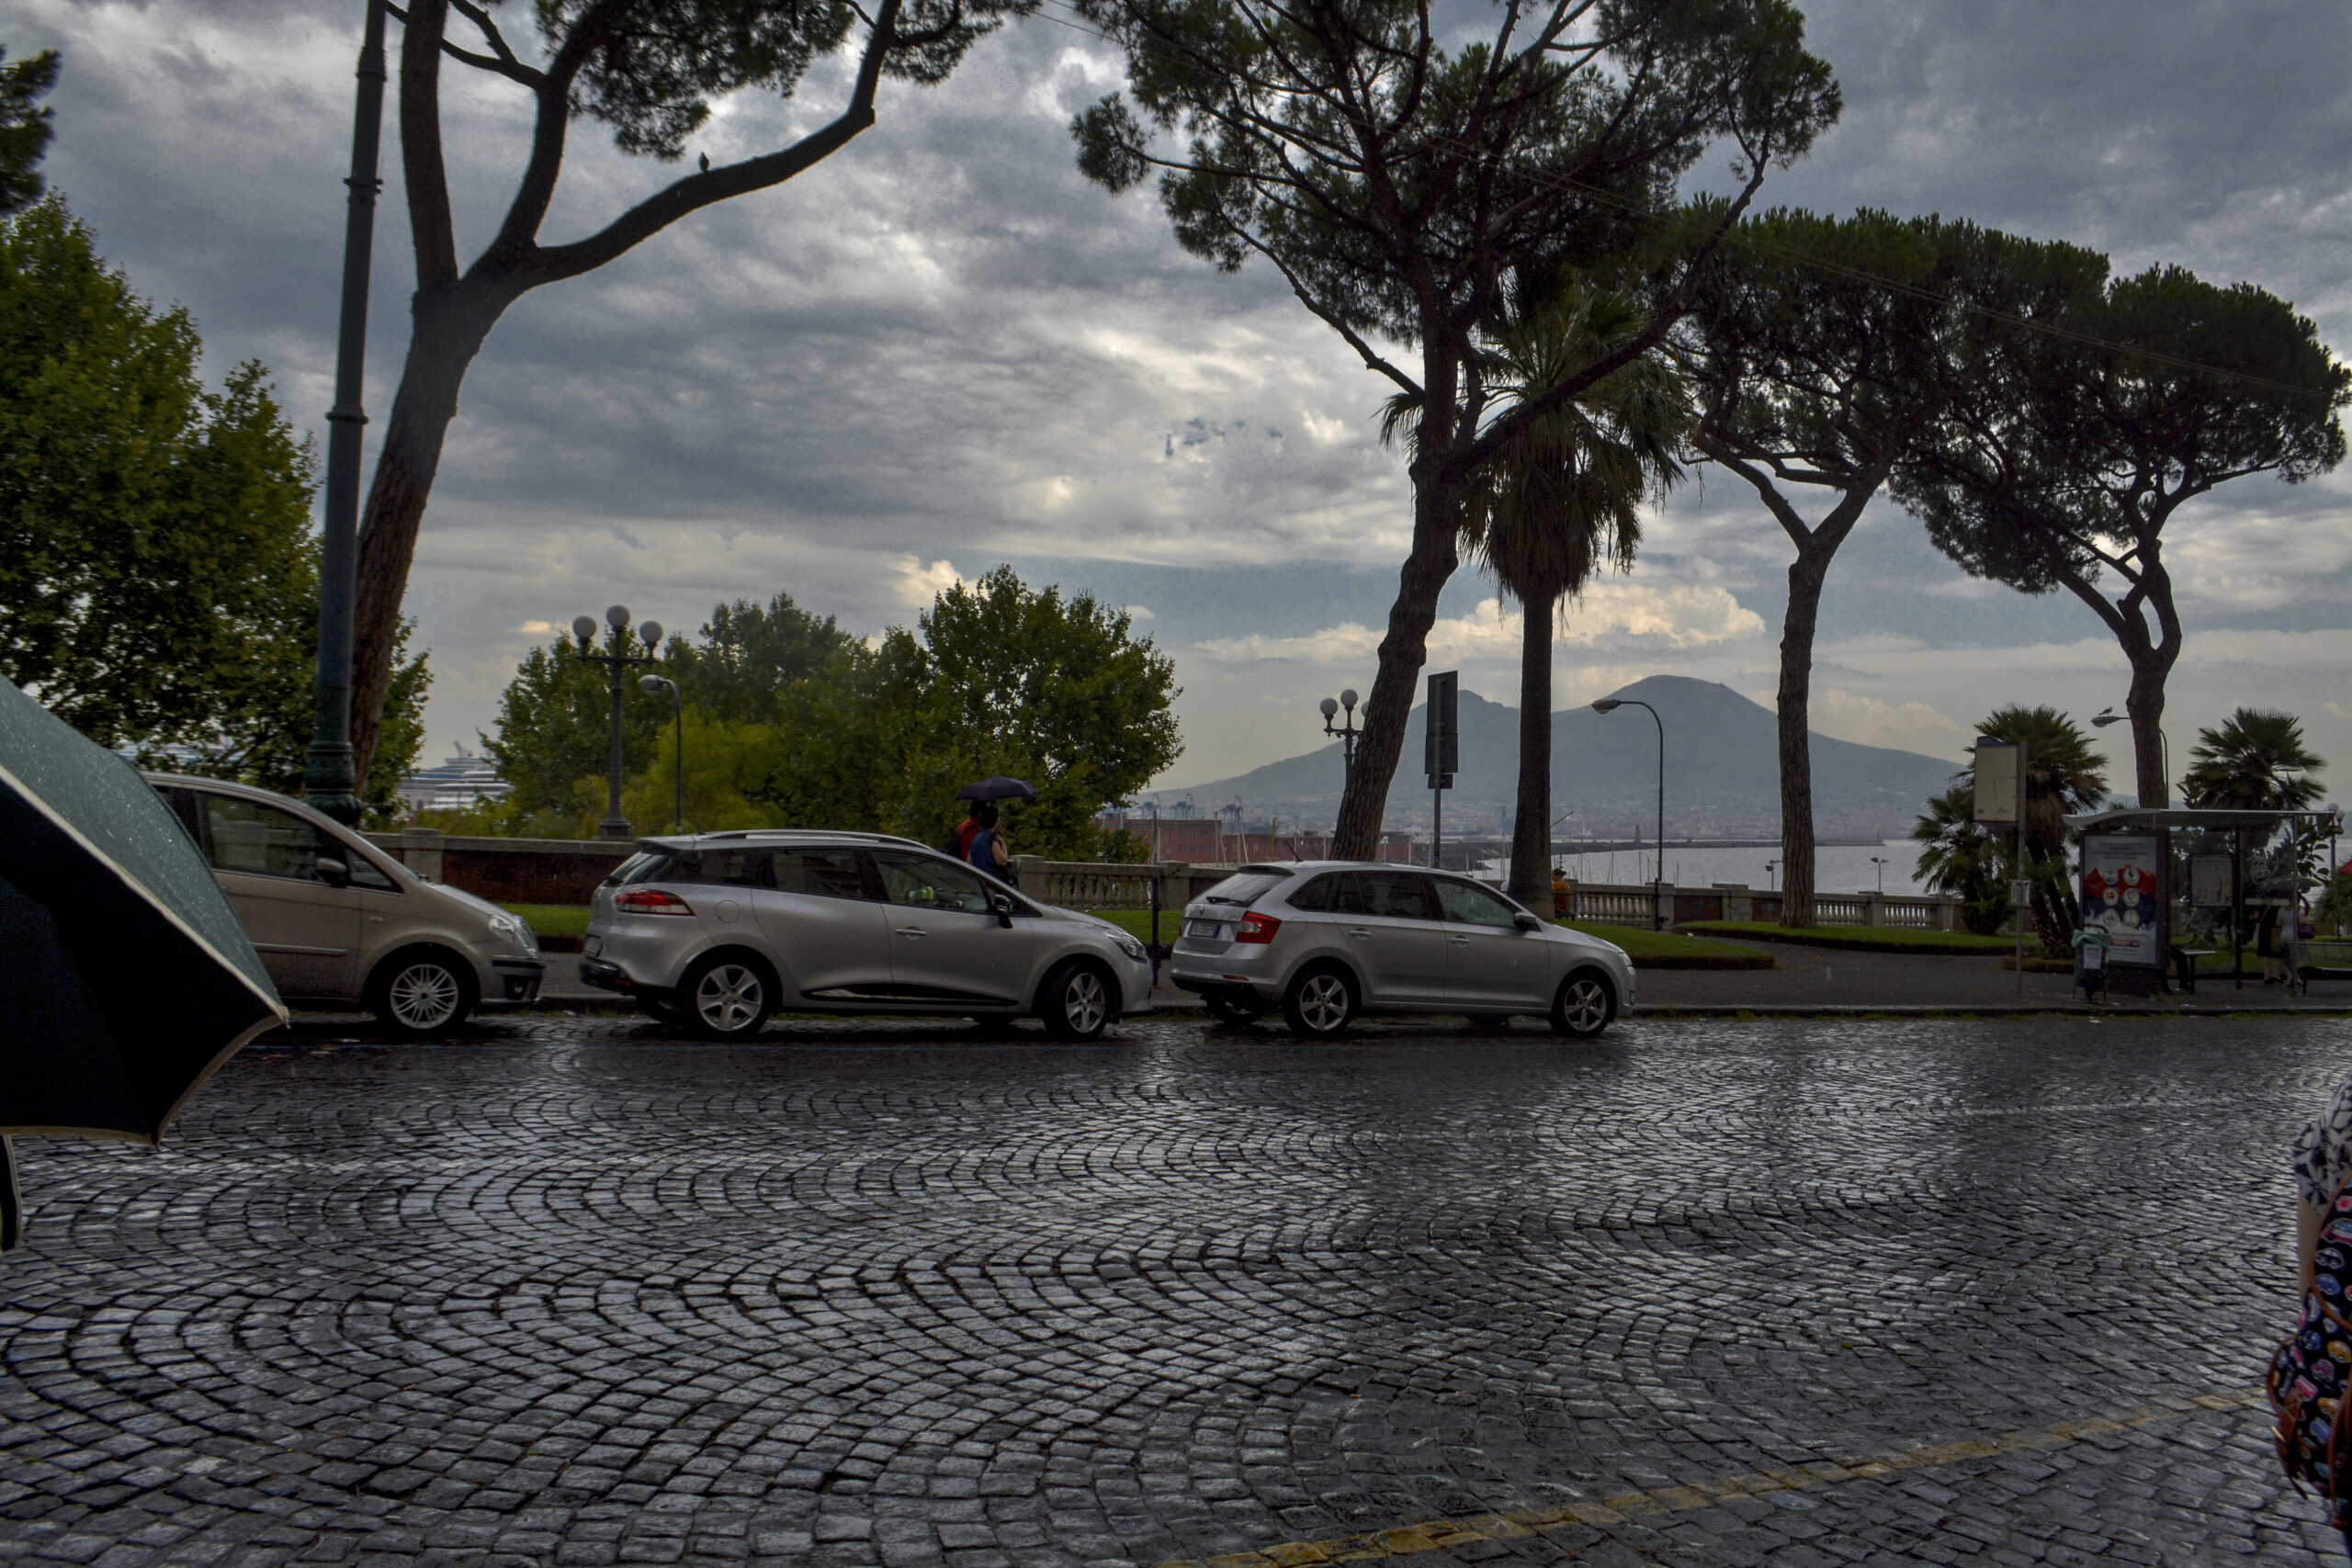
point(1442, 752)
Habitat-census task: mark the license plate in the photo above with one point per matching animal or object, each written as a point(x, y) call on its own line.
point(1203, 928)
point(593, 946)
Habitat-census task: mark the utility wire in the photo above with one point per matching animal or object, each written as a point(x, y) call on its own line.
point(1740, 236)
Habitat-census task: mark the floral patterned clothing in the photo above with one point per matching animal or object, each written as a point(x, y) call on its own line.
point(2312, 1372)
point(2323, 1153)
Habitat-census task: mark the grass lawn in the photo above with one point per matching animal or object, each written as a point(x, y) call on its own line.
point(1136, 924)
point(552, 920)
point(1665, 949)
point(1864, 939)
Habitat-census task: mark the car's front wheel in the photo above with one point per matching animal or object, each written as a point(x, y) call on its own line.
point(1320, 1003)
point(422, 992)
point(1585, 1005)
point(728, 997)
point(1075, 1001)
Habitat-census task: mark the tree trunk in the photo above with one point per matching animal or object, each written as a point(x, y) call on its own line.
point(1531, 838)
point(1806, 576)
point(2145, 705)
point(450, 330)
point(1436, 525)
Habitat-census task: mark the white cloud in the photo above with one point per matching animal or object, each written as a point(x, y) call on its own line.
point(1610, 613)
point(920, 584)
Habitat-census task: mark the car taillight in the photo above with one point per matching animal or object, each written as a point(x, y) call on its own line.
point(652, 901)
point(1256, 926)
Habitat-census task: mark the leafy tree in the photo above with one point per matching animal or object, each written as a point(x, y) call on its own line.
point(1825, 350)
point(2065, 776)
point(750, 655)
point(158, 575)
point(648, 68)
point(24, 127)
point(1560, 500)
point(1397, 178)
point(732, 765)
point(555, 726)
point(1014, 681)
point(2255, 761)
point(1960, 855)
point(2070, 453)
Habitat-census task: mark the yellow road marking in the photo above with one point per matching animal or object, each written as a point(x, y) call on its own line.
point(1432, 1535)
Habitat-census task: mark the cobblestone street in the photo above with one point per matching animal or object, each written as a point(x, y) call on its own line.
point(575, 1291)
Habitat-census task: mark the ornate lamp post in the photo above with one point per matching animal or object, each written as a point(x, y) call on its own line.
point(653, 686)
point(1610, 704)
point(330, 776)
point(1346, 732)
point(616, 660)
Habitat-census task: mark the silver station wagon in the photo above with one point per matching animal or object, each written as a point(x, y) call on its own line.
point(1328, 941)
point(718, 930)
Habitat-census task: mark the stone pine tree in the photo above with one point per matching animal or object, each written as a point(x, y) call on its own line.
point(1396, 171)
point(648, 70)
point(1824, 350)
point(2068, 456)
point(24, 127)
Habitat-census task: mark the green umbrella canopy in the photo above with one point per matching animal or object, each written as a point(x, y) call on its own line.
point(128, 977)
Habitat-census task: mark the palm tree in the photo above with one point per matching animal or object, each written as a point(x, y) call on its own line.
point(2064, 776)
point(2255, 761)
point(1561, 500)
point(1959, 855)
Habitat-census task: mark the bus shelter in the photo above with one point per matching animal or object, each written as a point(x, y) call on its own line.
point(2170, 885)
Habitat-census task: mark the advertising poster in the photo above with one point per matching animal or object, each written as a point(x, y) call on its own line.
point(2120, 895)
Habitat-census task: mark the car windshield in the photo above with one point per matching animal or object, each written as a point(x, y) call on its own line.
point(1245, 885)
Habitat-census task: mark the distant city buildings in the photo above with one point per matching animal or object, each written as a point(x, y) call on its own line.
point(1226, 840)
point(460, 783)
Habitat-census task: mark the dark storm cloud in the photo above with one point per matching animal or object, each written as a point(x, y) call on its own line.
point(942, 348)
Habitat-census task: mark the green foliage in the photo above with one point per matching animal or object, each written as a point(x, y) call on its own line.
point(790, 722)
point(2065, 776)
point(1959, 856)
point(24, 127)
point(2255, 761)
point(158, 574)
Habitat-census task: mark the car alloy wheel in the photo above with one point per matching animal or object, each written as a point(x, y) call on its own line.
point(1582, 1010)
point(1078, 1004)
point(1321, 1004)
point(729, 1000)
point(424, 996)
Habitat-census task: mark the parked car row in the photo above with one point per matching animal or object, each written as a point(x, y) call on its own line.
point(717, 931)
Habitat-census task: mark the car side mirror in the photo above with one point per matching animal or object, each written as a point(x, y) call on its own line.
point(1002, 904)
point(332, 872)
point(1526, 921)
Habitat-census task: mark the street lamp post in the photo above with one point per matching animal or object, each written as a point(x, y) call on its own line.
point(653, 686)
point(1346, 732)
point(1880, 862)
point(1771, 875)
point(617, 662)
point(1610, 704)
point(329, 771)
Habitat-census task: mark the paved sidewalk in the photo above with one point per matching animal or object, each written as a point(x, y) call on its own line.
point(575, 1292)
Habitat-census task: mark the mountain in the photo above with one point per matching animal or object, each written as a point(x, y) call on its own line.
point(1722, 774)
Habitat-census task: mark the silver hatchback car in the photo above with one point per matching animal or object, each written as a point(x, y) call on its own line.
point(1327, 941)
point(718, 930)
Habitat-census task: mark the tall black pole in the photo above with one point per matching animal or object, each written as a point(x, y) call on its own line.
point(615, 825)
point(330, 776)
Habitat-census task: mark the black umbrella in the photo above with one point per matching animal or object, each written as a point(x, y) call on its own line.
point(998, 789)
point(127, 977)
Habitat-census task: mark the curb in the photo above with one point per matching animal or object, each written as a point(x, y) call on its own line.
point(1677, 1012)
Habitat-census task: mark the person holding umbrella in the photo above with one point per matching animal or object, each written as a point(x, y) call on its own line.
point(987, 848)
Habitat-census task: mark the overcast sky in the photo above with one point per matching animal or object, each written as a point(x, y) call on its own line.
point(942, 350)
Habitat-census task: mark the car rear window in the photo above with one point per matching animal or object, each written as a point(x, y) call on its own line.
point(1316, 897)
point(715, 867)
point(1246, 884)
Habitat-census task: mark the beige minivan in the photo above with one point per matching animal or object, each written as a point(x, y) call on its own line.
point(337, 921)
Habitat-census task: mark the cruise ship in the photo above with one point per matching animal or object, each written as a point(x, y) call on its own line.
point(458, 784)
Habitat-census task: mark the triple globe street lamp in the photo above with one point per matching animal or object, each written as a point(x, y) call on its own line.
point(1346, 732)
point(618, 660)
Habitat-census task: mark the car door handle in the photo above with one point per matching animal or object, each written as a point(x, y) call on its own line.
point(912, 931)
point(1460, 939)
point(1360, 933)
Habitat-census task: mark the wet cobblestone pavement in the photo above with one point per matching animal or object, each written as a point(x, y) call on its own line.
point(576, 1292)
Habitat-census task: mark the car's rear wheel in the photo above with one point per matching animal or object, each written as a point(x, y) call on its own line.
point(1584, 1005)
point(1074, 1002)
point(1320, 1003)
point(422, 991)
point(728, 996)
point(1225, 1010)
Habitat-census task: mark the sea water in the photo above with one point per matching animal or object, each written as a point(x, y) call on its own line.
point(1837, 868)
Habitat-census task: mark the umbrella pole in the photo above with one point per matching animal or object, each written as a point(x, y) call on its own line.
point(11, 1216)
